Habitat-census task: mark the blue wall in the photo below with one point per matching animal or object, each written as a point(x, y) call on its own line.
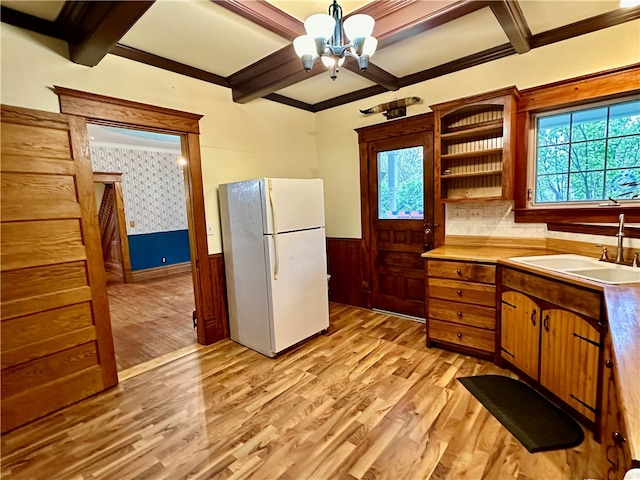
point(147, 250)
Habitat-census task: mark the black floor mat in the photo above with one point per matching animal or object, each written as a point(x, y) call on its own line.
point(537, 423)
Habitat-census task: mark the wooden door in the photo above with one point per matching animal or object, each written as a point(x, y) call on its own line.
point(402, 212)
point(56, 343)
point(520, 332)
point(570, 349)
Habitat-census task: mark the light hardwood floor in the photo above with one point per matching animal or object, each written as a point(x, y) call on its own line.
point(366, 400)
point(151, 318)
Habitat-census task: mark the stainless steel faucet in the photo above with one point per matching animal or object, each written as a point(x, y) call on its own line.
point(620, 236)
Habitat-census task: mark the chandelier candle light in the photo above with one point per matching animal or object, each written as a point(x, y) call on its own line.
point(325, 37)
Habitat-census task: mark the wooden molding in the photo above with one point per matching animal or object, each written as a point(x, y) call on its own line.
point(395, 21)
point(93, 28)
point(607, 84)
point(157, 272)
point(588, 25)
point(608, 230)
point(274, 97)
point(569, 214)
point(124, 113)
point(406, 126)
point(266, 15)
point(513, 23)
point(479, 241)
point(220, 327)
point(109, 109)
point(166, 64)
point(107, 177)
point(349, 97)
point(29, 22)
point(376, 74)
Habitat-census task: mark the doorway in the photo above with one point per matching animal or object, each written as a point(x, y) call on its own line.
point(142, 213)
point(399, 218)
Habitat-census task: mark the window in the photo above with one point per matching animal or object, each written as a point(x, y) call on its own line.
point(587, 154)
point(400, 184)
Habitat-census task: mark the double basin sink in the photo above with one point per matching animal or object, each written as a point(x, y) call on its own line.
point(584, 267)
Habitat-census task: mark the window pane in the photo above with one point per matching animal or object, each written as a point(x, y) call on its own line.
point(587, 156)
point(553, 159)
point(553, 130)
point(589, 124)
point(623, 184)
point(400, 184)
point(586, 186)
point(624, 119)
point(551, 188)
point(623, 152)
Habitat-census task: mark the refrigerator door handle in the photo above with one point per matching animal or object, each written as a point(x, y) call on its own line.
point(276, 265)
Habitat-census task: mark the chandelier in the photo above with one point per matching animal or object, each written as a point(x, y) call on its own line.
point(325, 40)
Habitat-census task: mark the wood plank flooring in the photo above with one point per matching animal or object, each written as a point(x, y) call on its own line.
point(365, 400)
point(151, 318)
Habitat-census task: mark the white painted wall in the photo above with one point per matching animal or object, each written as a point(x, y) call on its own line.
point(263, 138)
point(237, 142)
point(337, 142)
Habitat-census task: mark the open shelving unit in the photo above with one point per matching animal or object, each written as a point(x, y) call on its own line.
point(474, 147)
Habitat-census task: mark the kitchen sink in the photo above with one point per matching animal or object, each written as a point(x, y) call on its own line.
point(584, 267)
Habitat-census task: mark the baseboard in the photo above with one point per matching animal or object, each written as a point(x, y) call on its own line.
point(156, 272)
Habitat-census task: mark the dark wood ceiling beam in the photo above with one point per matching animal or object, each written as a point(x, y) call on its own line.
point(394, 21)
point(166, 64)
point(395, 24)
point(272, 73)
point(29, 22)
point(512, 21)
point(375, 74)
point(93, 28)
point(265, 15)
point(605, 20)
point(292, 102)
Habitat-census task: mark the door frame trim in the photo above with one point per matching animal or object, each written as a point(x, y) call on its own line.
point(115, 179)
point(366, 136)
point(210, 309)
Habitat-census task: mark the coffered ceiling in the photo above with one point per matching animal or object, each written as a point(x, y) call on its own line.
point(245, 45)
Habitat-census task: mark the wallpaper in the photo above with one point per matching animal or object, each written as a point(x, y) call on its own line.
point(152, 185)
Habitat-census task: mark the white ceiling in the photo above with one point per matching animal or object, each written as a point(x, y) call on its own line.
point(207, 36)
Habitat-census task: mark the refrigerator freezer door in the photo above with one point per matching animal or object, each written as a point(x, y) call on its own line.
point(299, 305)
point(298, 204)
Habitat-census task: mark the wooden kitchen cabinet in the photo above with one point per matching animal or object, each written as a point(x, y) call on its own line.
point(615, 448)
point(475, 145)
point(556, 348)
point(520, 332)
point(461, 306)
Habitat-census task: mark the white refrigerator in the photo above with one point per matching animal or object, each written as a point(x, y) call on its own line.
point(275, 261)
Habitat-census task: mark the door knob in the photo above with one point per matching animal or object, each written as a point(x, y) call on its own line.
point(427, 231)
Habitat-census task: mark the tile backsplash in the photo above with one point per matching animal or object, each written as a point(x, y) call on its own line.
point(496, 219)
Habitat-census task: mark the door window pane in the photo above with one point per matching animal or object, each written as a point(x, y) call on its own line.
point(400, 186)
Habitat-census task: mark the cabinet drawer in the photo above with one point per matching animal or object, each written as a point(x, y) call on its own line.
point(474, 272)
point(475, 293)
point(462, 335)
point(463, 313)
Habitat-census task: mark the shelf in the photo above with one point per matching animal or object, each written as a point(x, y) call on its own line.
point(490, 128)
point(483, 173)
point(476, 153)
point(471, 199)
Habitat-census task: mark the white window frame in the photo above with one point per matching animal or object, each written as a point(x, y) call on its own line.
point(533, 154)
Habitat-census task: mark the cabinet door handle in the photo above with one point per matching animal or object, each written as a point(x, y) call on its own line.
point(459, 314)
point(459, 335)
point(459, 292)
point(533, 317)
point(545, 323)
point(608, 363)
point(618, 438)
point(459, 272)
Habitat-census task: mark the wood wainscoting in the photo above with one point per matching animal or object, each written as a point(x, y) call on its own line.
point(219, 328)
point(344, 264)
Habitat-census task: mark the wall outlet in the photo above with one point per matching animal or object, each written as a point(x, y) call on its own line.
point(132, 224)
point(164, 259)
point(209, 229)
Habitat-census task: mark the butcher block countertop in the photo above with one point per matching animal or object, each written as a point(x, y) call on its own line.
point(622, 306)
